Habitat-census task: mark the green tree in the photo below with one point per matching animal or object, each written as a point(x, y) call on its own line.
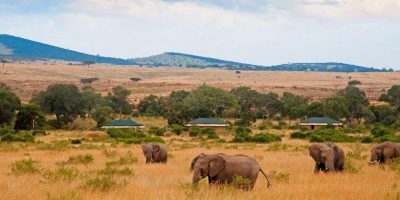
point(63, 100)
point(118, 100)
point(357, 102)
point(315, 109)
point(336, 107)
point(294, 106)
point(152, 106)
point(177, 111)
point(9, 103)
point(247, 98)
point(30, 117)
point(393, 97)
point(90, 99)
point(272, 104)
point(207, 101)
point(384, 114)
point(103, 114)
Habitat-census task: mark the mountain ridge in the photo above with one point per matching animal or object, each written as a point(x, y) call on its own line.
point(14, 48)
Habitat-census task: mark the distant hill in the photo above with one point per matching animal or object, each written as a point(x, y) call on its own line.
point(192, 61)
point(17, 48)
point(12, 47)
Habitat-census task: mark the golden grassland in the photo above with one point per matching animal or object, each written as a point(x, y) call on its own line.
point(287, 163)
point(30, 77)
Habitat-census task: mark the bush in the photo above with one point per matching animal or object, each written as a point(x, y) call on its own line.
point(80, 159)
point(367, 140)
point(298, 135)
point(22, 136)
point(194, 131)
point(103, 183)
point(379, 131)
point(265, 138)
point(177, 129)
point(25, 166)
point(212, 135)
point(157, 131)
point(207, 131)
point(262, 127)
point(125, 133)
point(54, 124)
point(242, 135)
point(39, 132)
point(75, 141)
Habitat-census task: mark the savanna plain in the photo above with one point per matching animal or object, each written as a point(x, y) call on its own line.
point(53, 167)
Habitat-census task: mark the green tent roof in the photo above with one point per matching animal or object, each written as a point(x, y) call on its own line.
point(207, 121)
point(122, 123)
point(320, 120)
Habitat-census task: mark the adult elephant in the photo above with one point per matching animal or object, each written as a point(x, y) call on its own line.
point(155, 153)
point(221, 169)
point(384, 151)
point(328, 157)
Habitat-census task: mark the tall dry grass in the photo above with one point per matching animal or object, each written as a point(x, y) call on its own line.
point(290, 170)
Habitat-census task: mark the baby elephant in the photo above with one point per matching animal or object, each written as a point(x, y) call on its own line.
point(221, 169)
point(328, 157)
point(384, 151)
point(155, 153)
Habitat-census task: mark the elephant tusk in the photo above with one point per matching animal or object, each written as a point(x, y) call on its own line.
point(373, 162)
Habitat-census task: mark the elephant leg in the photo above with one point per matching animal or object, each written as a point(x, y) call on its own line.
point(316, 169)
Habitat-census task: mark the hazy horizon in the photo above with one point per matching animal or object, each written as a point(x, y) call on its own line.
point(262, 32)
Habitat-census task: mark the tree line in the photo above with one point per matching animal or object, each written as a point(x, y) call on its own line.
point(67, 102)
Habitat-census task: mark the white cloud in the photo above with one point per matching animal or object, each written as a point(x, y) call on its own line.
point(364, 32)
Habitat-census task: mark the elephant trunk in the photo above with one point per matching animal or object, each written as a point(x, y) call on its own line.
point(374, 158)
point(196, 177)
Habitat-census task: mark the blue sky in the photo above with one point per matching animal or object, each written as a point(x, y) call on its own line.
point(266, 32)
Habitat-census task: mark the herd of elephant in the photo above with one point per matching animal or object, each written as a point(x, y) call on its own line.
point(222, 169)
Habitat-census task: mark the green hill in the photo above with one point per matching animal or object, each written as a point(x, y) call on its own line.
point(12, 47)
point(192, 61)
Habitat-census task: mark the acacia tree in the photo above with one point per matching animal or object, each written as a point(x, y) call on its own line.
point(177, 111)
point(336, 107)
point(63, 100)
point(271, 105)
point(88, 63)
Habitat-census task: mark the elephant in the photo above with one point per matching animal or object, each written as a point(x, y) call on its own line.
point(221, 169)
point(383, 151)
point(155, 153)
point(328, 157)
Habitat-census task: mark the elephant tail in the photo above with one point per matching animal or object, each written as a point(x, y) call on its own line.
point(265, 175)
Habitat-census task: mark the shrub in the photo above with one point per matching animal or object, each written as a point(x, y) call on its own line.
point(207, 131)
point(265, 138)
point(127, 159)
point(298, 135)
point(242, 135)
point(194, 131)
point(177, 129)
point(103, 183)
point(115, 171)
point(262, 127)
point(157, 131)
point(62, 172)
point(125, 133)
point(21, 136)
point(76, 141)
point(25, 166)
point(379, 131)
point(212, 135)
point(38, 132)
point(54, 124)
point(80, 159)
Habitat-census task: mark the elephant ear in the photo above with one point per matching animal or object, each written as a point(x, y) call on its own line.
point(216, 164)
point(195, 160)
